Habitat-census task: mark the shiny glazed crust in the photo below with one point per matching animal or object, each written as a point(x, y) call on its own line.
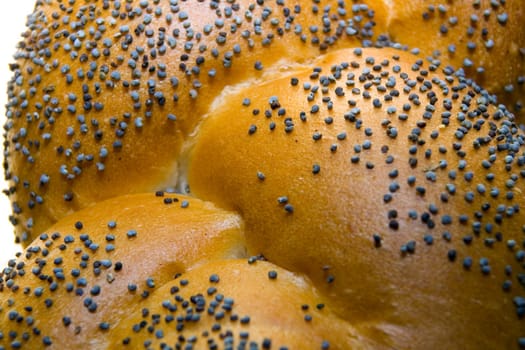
point(216, 175)
point(485, 39)
point(82, 113)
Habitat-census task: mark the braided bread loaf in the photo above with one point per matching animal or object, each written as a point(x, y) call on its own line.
point(206, 174)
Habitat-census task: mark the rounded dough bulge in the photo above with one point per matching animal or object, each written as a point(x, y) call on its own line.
point(218, 306)
point(87, 271)
point(393, 184)
point(104, 94)
point(485, 39)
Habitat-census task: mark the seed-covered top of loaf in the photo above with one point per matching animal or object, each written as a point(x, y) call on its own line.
point(388, 179)
point(103, 94)
point(486, 39)
point(82, 276)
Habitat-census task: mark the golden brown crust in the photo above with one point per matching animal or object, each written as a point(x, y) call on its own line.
point(384, 185)
point(88, 268)
point(388, 165)
point(84, 112)
point(224, 308)
point(486, 39)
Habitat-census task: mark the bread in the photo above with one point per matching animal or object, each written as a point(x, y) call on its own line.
point(284, 311)
point(485, 39)
point(390, 171)
point(98, 256)
point(184, 88)
point(367, 198)
point(130, 78)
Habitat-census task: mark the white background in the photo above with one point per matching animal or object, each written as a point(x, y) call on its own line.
point(12, 21)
